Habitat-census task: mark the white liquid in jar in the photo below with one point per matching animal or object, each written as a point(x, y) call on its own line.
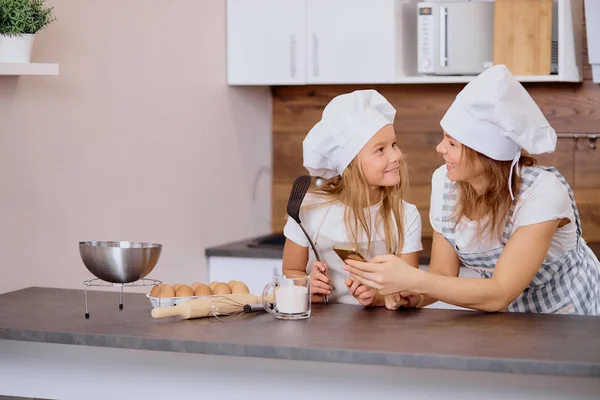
point(291, 299)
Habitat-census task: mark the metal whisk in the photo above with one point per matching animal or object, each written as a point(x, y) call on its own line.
point(225, 309)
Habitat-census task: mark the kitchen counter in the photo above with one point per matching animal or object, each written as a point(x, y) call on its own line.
point(466, 340)
point(43, 333)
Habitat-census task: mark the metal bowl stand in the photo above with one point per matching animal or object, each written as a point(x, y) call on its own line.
point(101, 283)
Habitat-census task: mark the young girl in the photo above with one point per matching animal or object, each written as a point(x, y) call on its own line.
point(496, 212)
point(360, 204)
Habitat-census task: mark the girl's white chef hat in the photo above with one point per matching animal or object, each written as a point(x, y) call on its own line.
point(495, 115)
point(347, 124)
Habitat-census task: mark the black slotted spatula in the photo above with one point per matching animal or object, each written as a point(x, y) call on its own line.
point(299, 189)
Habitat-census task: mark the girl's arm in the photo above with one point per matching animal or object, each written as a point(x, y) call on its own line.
point(295, 258)
point(411, 259)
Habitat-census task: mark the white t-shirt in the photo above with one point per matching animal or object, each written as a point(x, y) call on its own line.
point(325, 224)
point(546, 199)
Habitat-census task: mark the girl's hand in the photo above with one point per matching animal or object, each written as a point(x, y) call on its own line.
point(364, 294)
point(403, 299)
point(319, 282)
point(388, 274)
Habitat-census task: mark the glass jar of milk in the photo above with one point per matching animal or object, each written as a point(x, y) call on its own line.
point(291, 297)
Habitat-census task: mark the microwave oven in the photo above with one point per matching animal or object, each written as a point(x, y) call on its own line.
point(455, 38)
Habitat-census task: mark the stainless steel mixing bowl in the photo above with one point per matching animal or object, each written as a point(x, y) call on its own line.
point(119, 262)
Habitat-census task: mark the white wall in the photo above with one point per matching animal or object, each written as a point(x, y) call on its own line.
point(139, 138)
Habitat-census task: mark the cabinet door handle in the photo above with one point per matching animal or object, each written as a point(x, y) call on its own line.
point(293, 55)
point(443, 36)
point(315, 55)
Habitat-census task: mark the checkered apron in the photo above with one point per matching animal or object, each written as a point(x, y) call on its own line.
point(569, 285)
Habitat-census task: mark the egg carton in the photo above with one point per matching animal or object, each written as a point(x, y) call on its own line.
point(173, 301)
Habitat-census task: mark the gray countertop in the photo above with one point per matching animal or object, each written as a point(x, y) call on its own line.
point(249, 248)
point(425, 338)
point(245, 249)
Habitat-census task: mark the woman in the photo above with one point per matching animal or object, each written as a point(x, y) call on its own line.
point(496, 212)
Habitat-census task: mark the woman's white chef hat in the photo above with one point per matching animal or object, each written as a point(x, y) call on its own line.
point(347, 124)
point(494, 115)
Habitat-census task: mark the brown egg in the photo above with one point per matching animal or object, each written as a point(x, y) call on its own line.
point(195, 285)
point(176, 286)
point(230, 284)
point(203, 290)
point(213, 284)
point(221, 288)
point(239, 288)
point(162, 291)
point(184, 291)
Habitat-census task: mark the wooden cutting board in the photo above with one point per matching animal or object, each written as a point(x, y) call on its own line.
point(523, 35)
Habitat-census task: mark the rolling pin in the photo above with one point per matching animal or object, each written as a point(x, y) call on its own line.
point(200, 308)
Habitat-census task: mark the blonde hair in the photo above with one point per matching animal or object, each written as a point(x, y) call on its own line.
point(495, 201)
point(351, 189)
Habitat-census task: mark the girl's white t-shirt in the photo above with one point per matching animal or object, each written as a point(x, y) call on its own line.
point(546, 199)
point(325, 224)
point(330, 219)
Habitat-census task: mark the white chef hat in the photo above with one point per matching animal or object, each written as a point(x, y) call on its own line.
point(347, 124)
point(494, 115)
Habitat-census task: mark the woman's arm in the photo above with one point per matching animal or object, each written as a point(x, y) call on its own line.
point(378, 300)
point(444, 261)
point(390, 301)
point(520, 260)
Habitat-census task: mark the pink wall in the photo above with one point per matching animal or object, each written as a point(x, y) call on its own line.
point(138, 138)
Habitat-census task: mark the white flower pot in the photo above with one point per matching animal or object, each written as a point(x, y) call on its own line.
point(16, 49)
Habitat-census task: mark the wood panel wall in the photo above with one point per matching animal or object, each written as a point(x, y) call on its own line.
point(570, 108)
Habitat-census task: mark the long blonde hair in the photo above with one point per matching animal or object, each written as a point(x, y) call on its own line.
point(493, 205)
point(352, 190)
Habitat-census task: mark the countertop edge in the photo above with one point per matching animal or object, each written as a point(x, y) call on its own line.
point(408, 360)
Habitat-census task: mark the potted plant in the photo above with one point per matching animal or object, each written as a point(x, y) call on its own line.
point(20, 20)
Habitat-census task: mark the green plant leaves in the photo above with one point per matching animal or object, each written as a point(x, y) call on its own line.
point(18, 17)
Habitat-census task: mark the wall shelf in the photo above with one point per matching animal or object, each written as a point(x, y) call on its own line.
point(16, 69)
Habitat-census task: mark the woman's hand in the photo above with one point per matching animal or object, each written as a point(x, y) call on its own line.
point(388, 273)
point(319, 282)
point(364, 294)
point(402, 299)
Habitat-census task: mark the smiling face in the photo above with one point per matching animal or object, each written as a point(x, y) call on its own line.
point(460, 169)
point(380, 159)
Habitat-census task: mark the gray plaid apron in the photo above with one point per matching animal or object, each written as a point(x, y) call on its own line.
point(569, 285)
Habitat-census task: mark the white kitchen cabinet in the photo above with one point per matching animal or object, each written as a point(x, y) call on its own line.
point(350, 41)
point(286, 42)
point(256, 273)
point(266, 42)
point(300, 42)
